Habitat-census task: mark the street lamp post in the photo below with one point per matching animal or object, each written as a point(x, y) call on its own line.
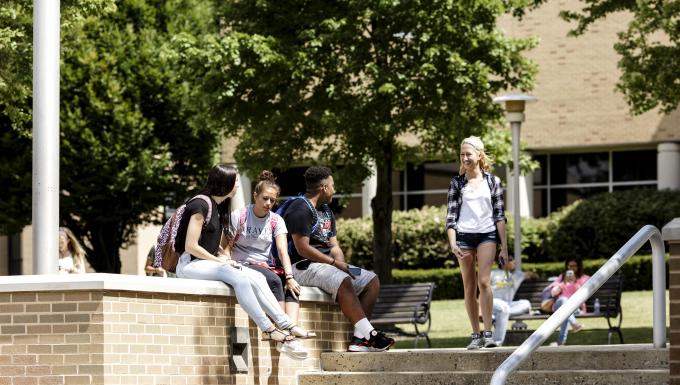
point(514, 113)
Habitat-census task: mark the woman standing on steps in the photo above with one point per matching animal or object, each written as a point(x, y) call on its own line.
point(475, 224)
point(202, 257)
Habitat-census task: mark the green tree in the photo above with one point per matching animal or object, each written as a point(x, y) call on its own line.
point(343, 83)
point(649, 49)
point(16, 39)
point(127, 143)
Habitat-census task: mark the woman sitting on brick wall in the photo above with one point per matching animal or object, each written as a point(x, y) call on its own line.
point(256, 231)
point(202, 257)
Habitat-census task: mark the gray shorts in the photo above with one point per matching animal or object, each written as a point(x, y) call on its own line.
point(329, 278)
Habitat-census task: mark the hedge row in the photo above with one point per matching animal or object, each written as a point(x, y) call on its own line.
point(637, 275)
point(590, 229)
point(419, 239)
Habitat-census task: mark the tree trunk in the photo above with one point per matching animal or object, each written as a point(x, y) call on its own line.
point(382, 205)
point(104, 255)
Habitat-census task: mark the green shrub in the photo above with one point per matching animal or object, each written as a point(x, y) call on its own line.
point(537, 233)
point(599, 226)
point(449, 284)
point(590, 229)
point(419, 239)
point(637, 275)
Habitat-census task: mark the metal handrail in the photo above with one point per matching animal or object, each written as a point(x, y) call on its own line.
point(614, 263)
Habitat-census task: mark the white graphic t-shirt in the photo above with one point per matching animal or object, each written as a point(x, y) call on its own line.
point(254, 243)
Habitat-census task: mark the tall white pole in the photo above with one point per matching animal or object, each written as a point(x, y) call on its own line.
point(514, 107)
point(515, 125)
point(46, 47)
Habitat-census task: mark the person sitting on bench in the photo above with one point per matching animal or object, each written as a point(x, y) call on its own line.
point(564, 287)
point(504, 284)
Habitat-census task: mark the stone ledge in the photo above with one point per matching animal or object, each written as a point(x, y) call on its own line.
point(136, 283)
point(671, 231)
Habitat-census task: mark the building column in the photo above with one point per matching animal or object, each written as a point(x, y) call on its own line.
point(526, 188)
point(368, 190)
point(671, 234)
point(668, 166)
point(243, 194)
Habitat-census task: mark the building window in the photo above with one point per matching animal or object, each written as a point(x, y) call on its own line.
point(421, 185)
point(565, 178)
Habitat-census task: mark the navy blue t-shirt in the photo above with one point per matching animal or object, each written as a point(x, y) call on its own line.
point(300, 220)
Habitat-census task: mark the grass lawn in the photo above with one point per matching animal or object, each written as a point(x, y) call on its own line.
point(451, 328)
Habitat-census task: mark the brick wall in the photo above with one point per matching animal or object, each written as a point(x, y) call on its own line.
point(112, 329)
point(671, 234)
point(578, 105)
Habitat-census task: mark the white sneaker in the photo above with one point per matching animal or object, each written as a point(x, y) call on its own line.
point(293, 349)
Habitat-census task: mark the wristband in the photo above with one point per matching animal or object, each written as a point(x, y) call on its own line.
point(289, 276)
point(333, 263)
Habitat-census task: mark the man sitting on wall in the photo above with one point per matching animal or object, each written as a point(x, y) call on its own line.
point(319, 261)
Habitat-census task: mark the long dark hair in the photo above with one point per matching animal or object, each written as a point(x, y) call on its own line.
point(579, 269)
point(221, 181)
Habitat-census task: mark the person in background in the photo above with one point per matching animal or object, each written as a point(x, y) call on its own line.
point(149, 268)
point(564, 287)
point(71, 253)
point(475, 226)
point(504, 284)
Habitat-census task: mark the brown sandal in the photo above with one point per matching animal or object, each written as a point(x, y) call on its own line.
point(277, 335)
point(301, 333)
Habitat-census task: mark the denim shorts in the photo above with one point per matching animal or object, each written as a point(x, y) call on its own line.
point(472, 240)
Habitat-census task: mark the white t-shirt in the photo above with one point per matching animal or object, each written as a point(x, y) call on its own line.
point(504, 284)
point(254, 243)
point(476, 214)
point(66, 264)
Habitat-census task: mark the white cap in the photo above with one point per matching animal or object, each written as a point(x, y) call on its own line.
point(475, 142)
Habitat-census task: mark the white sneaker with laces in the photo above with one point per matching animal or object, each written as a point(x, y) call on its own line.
point(293, 349)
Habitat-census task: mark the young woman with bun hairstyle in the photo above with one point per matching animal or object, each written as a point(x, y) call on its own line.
point(475, 224)
point(204, 257)
point(257, 230)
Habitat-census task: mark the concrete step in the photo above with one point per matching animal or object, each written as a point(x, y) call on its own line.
point(592, 357)
point(556, 377)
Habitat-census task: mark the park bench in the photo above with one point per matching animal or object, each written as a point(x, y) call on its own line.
point(404, 304)
point(609, 296)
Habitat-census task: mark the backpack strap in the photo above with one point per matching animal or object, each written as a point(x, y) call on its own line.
point(241, 223)
point(274, 255)
point(274, 219)
point(315, 214)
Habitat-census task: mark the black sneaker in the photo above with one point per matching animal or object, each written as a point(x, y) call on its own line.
point(358, 345)
point(476, 342)
point(379, 342)
point(488, 340)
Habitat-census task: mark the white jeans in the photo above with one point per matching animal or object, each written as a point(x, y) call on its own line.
point(502, 310)
point(252, 291)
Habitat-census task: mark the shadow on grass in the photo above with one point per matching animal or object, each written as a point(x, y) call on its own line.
point(584, 337)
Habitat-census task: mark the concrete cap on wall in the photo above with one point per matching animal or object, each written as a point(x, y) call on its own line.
point(671, 231)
